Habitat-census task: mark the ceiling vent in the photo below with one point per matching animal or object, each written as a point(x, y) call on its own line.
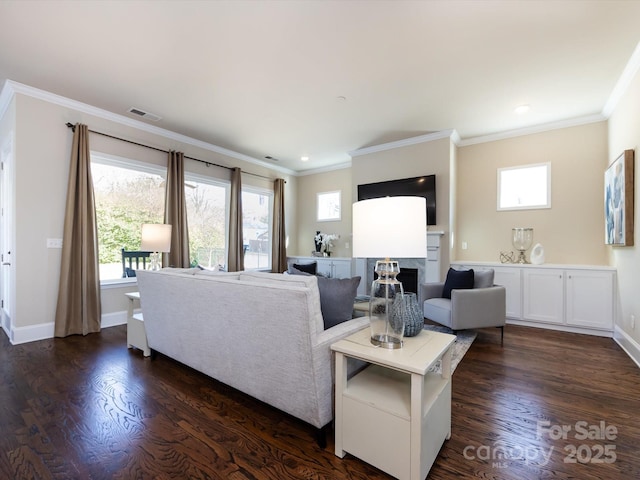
point(145, 115)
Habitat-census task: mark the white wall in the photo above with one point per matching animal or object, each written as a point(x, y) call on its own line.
point(308, 188)
point(43, 144)
point(624, 134)
point(426, 158)
point(571, 231)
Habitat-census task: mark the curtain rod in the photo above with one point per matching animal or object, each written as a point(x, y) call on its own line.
point(73, 129)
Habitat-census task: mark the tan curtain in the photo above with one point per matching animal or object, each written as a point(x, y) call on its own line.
point(278, 248)
point(78, 309)
point(235, 261)
point(175, 213)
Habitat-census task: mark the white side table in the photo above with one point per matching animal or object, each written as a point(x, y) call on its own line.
point(394, 414)
point(136, 334)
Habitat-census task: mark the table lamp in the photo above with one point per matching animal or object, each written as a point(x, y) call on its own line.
point(388, 227)
point(156, 238)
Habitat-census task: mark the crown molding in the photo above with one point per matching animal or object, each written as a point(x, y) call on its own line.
point(6, 95)
point(429, 137)
point(623, 83)
point(329, 168)
point(14, 87)
point(545, 127)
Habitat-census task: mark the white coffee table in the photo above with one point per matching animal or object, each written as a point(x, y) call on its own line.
point(394, 414)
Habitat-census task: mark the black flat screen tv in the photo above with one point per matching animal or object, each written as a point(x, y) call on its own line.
point(424, 186)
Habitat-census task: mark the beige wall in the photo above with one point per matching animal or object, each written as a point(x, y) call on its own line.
point(571, 231)
point(624, 134)
point(425, 158)
point(308, 188)
point(43, 144)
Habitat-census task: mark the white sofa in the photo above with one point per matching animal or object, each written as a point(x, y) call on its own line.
point(260, 333)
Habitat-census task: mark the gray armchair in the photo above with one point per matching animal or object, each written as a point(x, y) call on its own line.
point(482, 306)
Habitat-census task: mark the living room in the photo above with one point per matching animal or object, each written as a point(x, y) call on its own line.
point(33, 132)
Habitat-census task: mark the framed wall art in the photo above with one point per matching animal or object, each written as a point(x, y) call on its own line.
point(618, 200)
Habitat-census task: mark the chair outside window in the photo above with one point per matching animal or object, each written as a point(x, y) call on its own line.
point(133, 260)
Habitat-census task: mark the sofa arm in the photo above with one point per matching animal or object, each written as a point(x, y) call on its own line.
point(431, 290)
point(340, 331)
point(478, 307)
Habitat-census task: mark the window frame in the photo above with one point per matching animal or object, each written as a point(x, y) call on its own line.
point(131, 164)
point(322, 206)
point(531, 206)
point(269, 194)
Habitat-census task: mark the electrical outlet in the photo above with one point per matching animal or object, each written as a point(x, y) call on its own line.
point(54, 243)
point(346, 245)
point(464, 245)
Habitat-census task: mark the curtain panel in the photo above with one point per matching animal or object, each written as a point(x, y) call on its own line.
point(175, 213)
point(235, 255)
point(78, 309)
point(278, 248)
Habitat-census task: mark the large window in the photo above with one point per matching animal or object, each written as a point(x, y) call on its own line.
point(256, 228)
point(127, 195)
point(130, 193)
point(207, 219)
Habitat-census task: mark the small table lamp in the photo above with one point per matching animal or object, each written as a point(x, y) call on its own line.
point(156, 238)
point(388, 227)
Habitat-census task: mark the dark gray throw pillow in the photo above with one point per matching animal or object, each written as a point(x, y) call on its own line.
point(457, 279)
point(336, 299)
point(310, 268)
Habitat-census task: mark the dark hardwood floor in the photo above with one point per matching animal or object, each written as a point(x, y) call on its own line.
point(88, 408)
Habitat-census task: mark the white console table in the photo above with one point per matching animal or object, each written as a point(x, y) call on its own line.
point(574, 298)
point(334, 267)
point(395, 414)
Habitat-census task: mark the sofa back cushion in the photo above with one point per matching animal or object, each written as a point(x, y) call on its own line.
point(278, 278)
point(483, 278)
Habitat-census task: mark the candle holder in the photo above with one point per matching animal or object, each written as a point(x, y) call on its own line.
point(522, 238)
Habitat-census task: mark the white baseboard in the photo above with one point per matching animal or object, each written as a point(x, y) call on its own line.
point(43, 331)
point(561, 328)
point(628, 344)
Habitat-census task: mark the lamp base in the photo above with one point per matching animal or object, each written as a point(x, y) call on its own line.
point(386, 341)
point(156, 261)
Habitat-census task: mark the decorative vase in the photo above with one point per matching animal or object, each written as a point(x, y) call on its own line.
point(318, 244)
point(405, 308)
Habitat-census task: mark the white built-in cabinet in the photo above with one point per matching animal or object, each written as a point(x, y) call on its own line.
point(336, 267)
point(572, 298)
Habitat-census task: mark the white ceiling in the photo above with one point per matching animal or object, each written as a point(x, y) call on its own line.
point(264, 77)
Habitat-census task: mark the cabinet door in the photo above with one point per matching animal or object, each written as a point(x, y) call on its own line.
point(325, 267)
point(511, 280)
point(543, 295)
point(341, 268)
point(590, 298)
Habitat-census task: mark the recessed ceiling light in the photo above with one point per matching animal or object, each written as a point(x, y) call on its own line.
point(304, 158)
point(522, 109)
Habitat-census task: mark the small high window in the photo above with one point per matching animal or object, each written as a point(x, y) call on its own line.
point(525, 187)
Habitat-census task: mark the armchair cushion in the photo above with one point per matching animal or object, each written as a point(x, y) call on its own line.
point(457, 279)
